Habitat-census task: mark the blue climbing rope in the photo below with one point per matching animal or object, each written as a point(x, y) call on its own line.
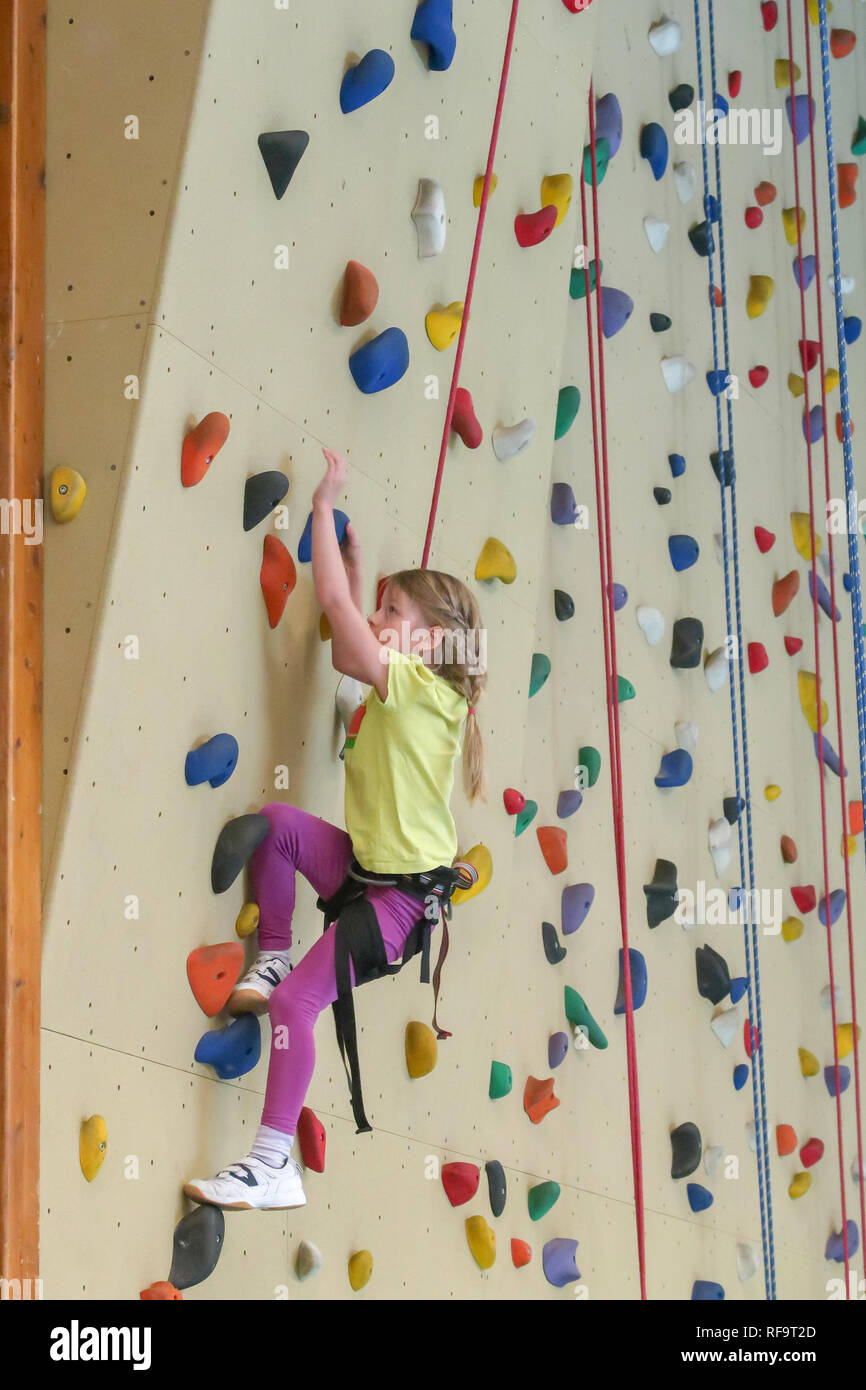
point(713, 212)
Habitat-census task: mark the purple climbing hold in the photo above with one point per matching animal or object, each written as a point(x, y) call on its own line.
point(683, 551)
point(676, 769)
point(824, 599)
point(837, 902)
point(616, 310)
point(620, 597)
point(559, 1261)
point(576, 902)
point(568, 802)
point(699, 1197)
point(637, 971)
point(563, 508)
point(608, 122)
point(704, 1290)
point(831, 757)
point(813, 424)
point(654, 148)
point(804, 271)
point(803, 113)
point(557, 1049)
point(830, 1079)
point(741, 1076)
point(835, 1249)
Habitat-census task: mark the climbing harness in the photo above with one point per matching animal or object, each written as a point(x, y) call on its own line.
point(358, 938)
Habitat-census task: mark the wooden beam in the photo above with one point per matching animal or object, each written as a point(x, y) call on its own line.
point(22, 339)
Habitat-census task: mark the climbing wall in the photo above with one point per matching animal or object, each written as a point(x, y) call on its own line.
point(166, 304)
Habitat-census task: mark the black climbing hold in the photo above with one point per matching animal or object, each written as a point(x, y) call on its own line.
point(660, 323)
point(686, 1150)
point(496, 1185)
point(701, 237)
point(687, 643)
point(261, 495)
point(714, 979)
point(563, 605)
point(726, 458)
point(282, 151)
point(198, 1243)
point(662, 894)
point(552, 949)
point(731, 807)
point(237, 840)
point(681, 97)
point(662, 495)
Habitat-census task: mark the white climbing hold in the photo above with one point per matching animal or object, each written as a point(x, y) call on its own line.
point(428, 215)
point(751, 1136)
point(713, 1159)
point(651, 623)
point(717, 537)
point(678, 372)
point(847, 283)
point(685, 180)
point(825, 997)
point(720, 844)
point(350, 694)
point(686, 735)
point(509, 440)
point(747, 1262)
point(308, 1260)
point(656, 233)
point(665, 37)
point(716, 669)
point(726, 1026)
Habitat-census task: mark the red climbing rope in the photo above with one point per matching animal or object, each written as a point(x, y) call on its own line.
point(837, 679)
point(464, 323)
point(602, 493)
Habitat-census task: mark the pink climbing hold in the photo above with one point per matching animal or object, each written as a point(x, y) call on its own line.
point(532, 227)
point(464, 421)
point(765, 539)
point(793, 645)
point(758, 659)
point(757, 377)
point(514, 801)
point(754, 218)
point(804, 897)
point(808, 353)
point(769, 15)
point(575, 6)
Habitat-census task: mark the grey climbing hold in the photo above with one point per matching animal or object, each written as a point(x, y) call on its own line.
point(563, 605)
point(552, 948)
point(237, 841)
point(662, 895)
point(198, 1243)
point(496, 1186)
point(261, 494)
point(686, 1148)
point(282, 151)
point(687, 643)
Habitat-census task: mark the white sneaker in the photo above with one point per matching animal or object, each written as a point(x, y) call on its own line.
point(251, 1185)
point(252, 992)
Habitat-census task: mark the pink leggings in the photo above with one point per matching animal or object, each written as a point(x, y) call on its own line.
point(323, 853)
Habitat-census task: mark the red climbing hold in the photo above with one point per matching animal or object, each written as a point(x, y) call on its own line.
point(212, 972)
point(554, 847)
point(460, 1181)
point(811, 1152)
point(847, 179)
point(201, 446)
point(532, 227)
point(521, 1253)
point(750, 1038)
point(464, 420)
point(793, 645)
point(842, 42)
point(311, 1138)
point(717, 297)
point(575, 6)
point(277, 577)
point(769, 14)
point(538, 1098)
point(784, 592)
point(765, 193)
point(514, 801)
point(855, 817)
point(804, 897)
point(766, 539)
point(758, 659)
point(808, 353)
point(735, 82)
point(757, 377)
point(754, 217)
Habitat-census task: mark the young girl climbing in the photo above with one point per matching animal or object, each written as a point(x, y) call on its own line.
point(422, 654)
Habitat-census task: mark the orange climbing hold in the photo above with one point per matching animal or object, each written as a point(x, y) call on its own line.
point(538, 1098)
point(161, 1290)
point(765, 193)
point(521, 1253)
point(786, 1139)
point(847, 179)
point(360, 294)
point(842, 42)
point(784, 591)
point(213, 972)
point(789, 850)
point(311, 1138)
point(839, 433)
point(201, 446)
point(277, 577)
point(554, 847)
point(855, 817)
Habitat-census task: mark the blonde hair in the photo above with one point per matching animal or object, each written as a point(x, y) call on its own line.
point(445, 602)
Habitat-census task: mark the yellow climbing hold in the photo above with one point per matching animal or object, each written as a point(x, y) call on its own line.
point(360, 1269)
point(814, 12)
point(481, 859)
point(789, 222)
point(759, 296)
point(771, 792)
point(831, 380)
point(248, 920)
point(800, 1183)
point(496, 562)
point(556, 189)
point(809, 700)
point(792, 929)
point(92, 1140)
point(796, 384)
point(845, 1037)
point(478, 188)
point(421, 1049)
point(482, 1241)
point(808, 1062)
point(443, 325)
point(68, 491)
point(782, 73)
point(849, 844)
point(802, 538)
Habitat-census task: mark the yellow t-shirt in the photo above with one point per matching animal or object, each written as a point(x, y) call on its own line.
point(399, 759)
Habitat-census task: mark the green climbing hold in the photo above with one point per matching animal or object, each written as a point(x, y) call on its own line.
point(541, 1198)
point(577, 284)
point(858, 145)
point(624, 690)
point(567, 407)
point(500, 1080)
point(525, 817)
point(589, 759)
point(539, 673)
point(602, 159)
point(578, 1014)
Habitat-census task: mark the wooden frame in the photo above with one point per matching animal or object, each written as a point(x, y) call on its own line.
point(22, 327)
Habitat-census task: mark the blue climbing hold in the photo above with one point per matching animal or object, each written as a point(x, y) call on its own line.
point(835, 1248)
point(830, 1079)
point(568, 802)
point(853, 327)
point(739, 985)
point(704, 1290)
point(831, 757)
point(717, 382)
point(720, 104)
point(836, 903)
point(432, 25)
point(847, 582)
point(559, 1262)
point(713, 208)
point(804, 113)
point(677, 465)
point(305, 544)
point(213, 762)
point(577, 899)
point(608, 122)
point(381, 362)
point(699, 1197)
point(683, 551)
point(563, 507)
point(824, 600)
point(557, 1049)
point(616, 310)
point(234, 1050)
point(637, 970)
point(813, 424)
point(741, 1076)
point(620, 597)
point(804, 271)
point(654, 148)
point(676, 769)
point(723, 466)
point(366, 80)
